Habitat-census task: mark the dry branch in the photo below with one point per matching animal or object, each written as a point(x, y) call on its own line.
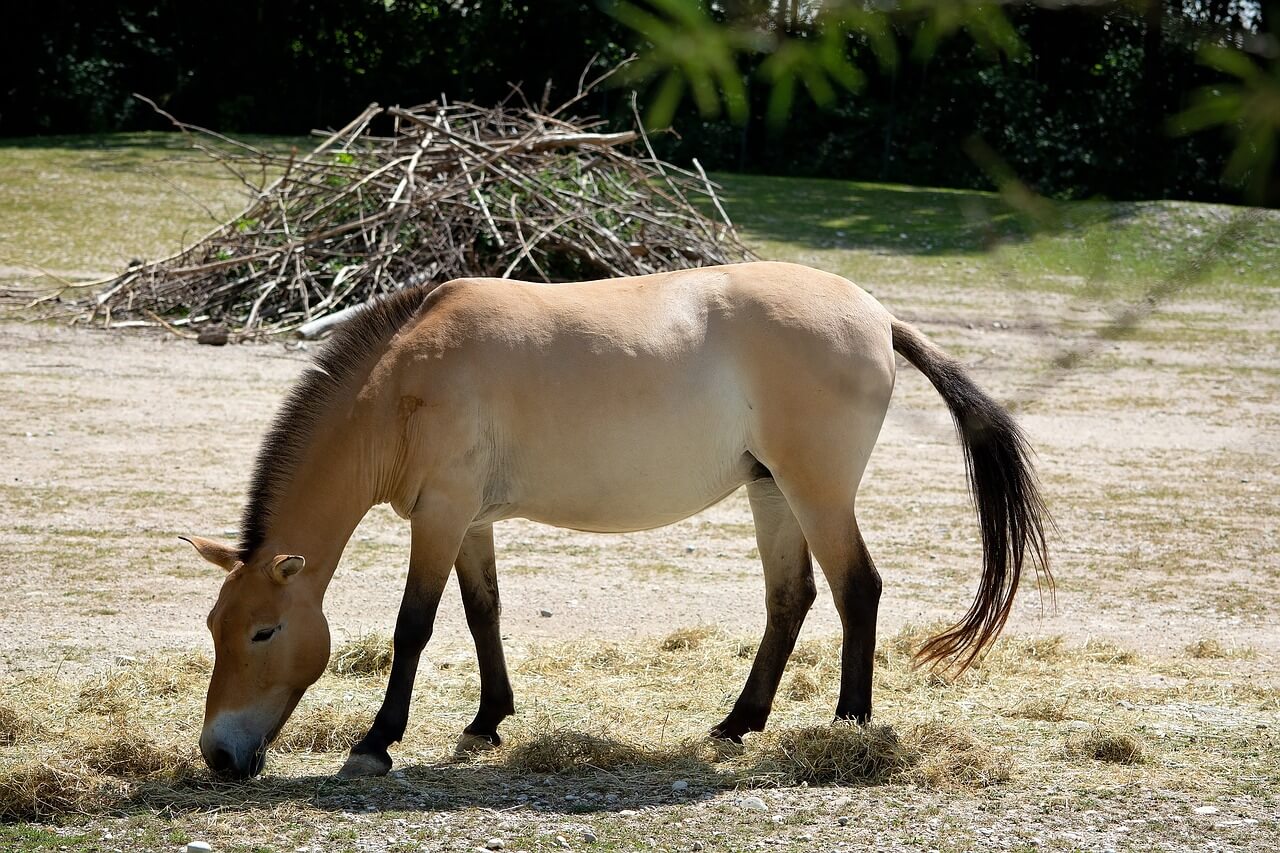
point(451, 190)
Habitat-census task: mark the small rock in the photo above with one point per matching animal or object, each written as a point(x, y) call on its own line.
point(545, 614)
point(776, 818)
point(680, 785)
point(494, 844)
point(689, 549)
point(610, 798)
point(588, 836)
point(560, 839)
point(627, 813)
point(1205, 810)
point(754, 804)
point(843, 820)
point(214, 336)
point(198, 847)
point(697, 845)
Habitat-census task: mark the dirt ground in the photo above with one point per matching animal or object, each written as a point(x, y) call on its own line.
point(1158, 455)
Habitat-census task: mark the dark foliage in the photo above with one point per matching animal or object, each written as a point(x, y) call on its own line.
point(1081, 114)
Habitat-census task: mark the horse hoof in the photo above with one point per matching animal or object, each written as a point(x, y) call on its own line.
point(469, 744)
point(361, 765)
point(725, 736)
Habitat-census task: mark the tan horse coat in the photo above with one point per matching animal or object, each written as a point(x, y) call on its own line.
point(607, 406)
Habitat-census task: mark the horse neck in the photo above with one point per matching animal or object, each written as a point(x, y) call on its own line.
point(317, 510)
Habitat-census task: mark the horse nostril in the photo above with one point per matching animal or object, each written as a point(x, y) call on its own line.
point(223, 763)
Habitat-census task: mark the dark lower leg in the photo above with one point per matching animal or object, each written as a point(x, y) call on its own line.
point(756, 700)
point(478, 580)
point(789, 593)
point(858, 604)
point(413, 630)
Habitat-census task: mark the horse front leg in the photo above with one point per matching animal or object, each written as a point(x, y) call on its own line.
point(478, 581)
point(434, 549)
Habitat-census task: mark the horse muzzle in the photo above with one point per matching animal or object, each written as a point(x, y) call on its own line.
point(233, 753)
point(231, 764)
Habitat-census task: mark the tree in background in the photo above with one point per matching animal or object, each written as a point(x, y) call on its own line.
point(1077, 99)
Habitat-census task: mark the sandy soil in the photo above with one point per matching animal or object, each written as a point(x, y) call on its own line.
point(1158, 455)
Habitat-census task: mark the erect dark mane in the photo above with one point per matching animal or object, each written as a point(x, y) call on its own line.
point(348, 351)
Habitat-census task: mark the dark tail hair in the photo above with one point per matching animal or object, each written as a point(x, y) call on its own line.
point(1005, 494)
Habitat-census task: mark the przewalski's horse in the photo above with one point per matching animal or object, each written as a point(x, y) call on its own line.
point(605, 406)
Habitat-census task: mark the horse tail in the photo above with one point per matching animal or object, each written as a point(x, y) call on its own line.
point(1002, 483)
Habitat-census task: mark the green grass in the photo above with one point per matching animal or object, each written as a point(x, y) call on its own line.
point(876, 232)
point(85, 206)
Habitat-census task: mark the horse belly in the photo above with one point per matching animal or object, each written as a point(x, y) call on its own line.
point(632, 462)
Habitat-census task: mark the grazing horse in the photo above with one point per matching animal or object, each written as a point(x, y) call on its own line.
point(614, 405)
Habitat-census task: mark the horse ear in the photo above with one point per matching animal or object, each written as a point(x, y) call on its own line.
point(223, 556)
point(284, 567)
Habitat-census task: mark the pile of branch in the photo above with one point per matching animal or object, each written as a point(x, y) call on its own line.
point(446, 190)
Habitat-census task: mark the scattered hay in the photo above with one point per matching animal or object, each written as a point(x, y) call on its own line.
point(365, 656)
point(46, 788)
point(323, 729)
point(1044, 709)
point(949, 757)
point(160, 676)
point(687, 639)
point(131, 756)
point(1049, 648)
point(815, 652)
point(1104, 651)
point(1210, 648)
point(1111, 745)
point(562, 751)
point(838, 754)
point(901, 647)
point(802, 686)
point(14, 726)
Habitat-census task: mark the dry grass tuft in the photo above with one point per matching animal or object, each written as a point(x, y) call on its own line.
point(1101, 744)
point(1044, 709)
point(325, 728)
point(14, 725)
point(904, 643)
point(159, 676)
point(365, 656)
point(950, 757)
point(124, 752)
point(1051, 648)
point(838, 754)
point(563, 751)
point(45, 788)
point(802, 686)
point(1210, 648)
point(1105, 651)
point(686, 639)
point(816, 652)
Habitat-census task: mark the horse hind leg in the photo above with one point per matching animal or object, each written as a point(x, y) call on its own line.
point(478, 581)
point(789, 593)
point(832, 532)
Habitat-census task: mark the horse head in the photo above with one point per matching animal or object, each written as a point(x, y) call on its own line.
point(271, 642)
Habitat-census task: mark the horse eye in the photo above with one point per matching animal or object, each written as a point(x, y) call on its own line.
point(265, 634)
